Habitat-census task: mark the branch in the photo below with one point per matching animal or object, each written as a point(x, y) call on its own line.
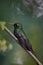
point(29, 52)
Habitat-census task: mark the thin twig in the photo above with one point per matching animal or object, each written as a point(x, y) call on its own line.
point(29, 52)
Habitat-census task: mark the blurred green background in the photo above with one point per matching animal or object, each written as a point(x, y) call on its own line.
point(13, 11)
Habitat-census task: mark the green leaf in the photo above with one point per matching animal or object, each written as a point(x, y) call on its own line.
point(2, 23)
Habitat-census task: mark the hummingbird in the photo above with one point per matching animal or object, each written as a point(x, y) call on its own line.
point(22, 38)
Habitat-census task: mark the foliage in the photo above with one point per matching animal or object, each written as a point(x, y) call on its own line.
point(2, 25)
point(4, 46)
point(12, 11)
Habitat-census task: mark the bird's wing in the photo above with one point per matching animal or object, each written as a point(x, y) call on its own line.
point(24, 41)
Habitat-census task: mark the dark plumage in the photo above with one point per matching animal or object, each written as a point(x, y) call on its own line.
point(21, 36)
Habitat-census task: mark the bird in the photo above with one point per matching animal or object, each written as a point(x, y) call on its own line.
point(21, 36)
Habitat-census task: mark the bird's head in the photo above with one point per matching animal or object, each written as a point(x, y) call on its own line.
point(18, 26)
